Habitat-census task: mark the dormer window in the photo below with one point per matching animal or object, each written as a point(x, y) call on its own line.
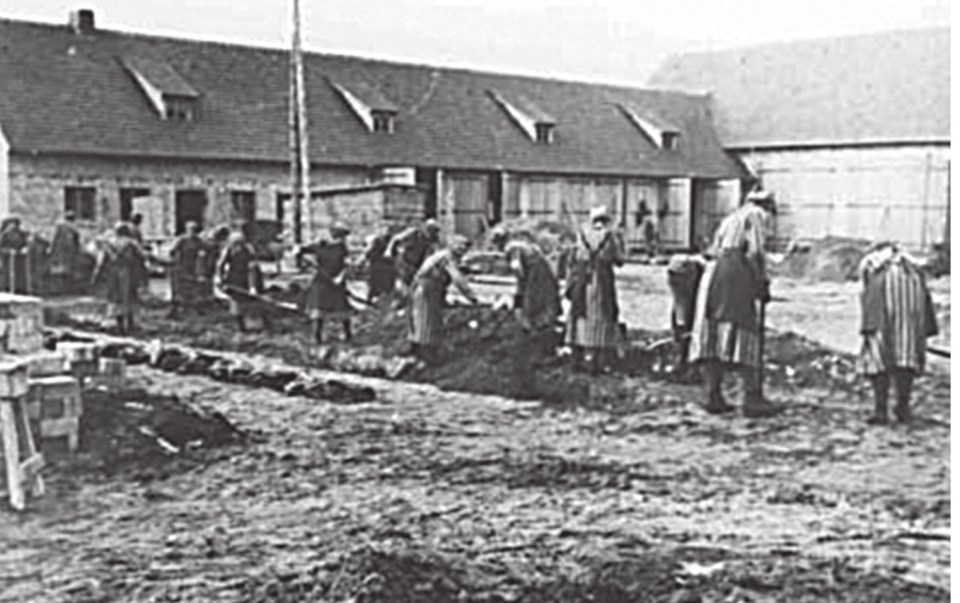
point(171, 96)
point(536, 123)
point(377, 113)
point(178, 108)
point(670, 140)
point(662, 134)
point(382, 121)
point(544, 133)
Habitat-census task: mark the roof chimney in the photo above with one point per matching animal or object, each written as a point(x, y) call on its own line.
point(82, 21)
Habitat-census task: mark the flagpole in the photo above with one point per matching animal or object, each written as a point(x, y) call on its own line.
point(300, 163)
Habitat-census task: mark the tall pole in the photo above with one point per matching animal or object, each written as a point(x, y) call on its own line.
point(300, 162)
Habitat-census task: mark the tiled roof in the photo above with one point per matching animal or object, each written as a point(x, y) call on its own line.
point(887, 87)
point(63, 92)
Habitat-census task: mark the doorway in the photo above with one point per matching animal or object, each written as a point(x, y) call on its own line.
point(189, 206)
point(127, 195)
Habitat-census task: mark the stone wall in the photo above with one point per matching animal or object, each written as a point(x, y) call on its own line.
point(36, 186)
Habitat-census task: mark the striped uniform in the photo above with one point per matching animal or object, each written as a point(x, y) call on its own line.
point(725, 321)
point(595, 324)
point(427, 295)
point(897, 314)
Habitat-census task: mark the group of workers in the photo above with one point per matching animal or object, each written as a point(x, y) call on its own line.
point(719, 295)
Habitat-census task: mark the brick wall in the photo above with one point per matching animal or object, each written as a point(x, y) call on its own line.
point(365, 209)
point(36, 186)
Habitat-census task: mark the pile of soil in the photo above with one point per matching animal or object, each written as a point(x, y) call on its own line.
point(479, 356)
point(828, 259)
point(394, 574)
point(141, 433)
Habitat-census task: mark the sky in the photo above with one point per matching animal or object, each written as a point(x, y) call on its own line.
point(615, 41)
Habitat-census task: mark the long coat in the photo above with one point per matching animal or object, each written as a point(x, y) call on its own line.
point(122, 271)
point(327, 295)
point(592, 290)
point(427, 296)
point(185, 273)
point(237, 272)
point(725, 325)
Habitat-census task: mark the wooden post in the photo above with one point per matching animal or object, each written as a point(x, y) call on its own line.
point(299, 163)
point(926, 202)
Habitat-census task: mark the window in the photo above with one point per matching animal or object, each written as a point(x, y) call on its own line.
point(82, 201)
point(244, 205)
point(382, 121)
point(178, 108)
point(670, 140)
point(544, 133)
point(127, 195)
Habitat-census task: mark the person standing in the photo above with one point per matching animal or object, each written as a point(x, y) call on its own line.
point(381, 273)
point(235, 276)
point(726, 330)
point(184, 269)
point(428, 294)
point(897, 315)
point(13, 243)
point(410, 248)
point(64, 253)
point(593, 326)
point(121, 267)
point(536, 305)
point(213, 244)
point(327, 295)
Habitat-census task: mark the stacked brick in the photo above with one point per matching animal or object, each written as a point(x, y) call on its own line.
point(55, 379)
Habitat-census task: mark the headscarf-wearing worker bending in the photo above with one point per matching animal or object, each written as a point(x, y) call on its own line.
point(592, 290)
point(64, 255)
point(327, 295)
point(536, 305)
point(897, 316)
point(410, 248)
point(381, 273)
point(726, 330)
point(427, 295)
point(121, 268)
point(236, 275)
point(684, 273)
point(185, 270)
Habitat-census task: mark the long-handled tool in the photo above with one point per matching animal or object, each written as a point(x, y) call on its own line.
point(761, 345)
point(287, 306)
point(936, 351)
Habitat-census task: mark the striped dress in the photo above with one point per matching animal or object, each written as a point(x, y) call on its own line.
point(896, 314)
point(592, 290)
point(725, 324)
point(427, 295)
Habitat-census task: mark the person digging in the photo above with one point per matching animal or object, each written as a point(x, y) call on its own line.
point(327, 297)
point(728, 324)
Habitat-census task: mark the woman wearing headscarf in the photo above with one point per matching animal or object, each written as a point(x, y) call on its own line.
point(327, 295)
point(536, 305)
point(897, 316)
point(64, 253)
point(236, 276)
point(121, 269)
point(381, 271)
point(184, 276)
point(428, 293)
point(726, 329)
point(593, 325)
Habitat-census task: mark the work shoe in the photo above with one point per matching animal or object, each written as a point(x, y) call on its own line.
point(719, 408)
point(759, 409)
point(902, 412)
point(876, 419)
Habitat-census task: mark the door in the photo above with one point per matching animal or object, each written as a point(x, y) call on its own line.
point(675, 225)
point(470, 198)
point(127, 195)
point(189, 206)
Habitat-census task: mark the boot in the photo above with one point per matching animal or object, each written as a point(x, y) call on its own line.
point(903, 384)
point(347, 330)
point(881, 391)
point(577, 359)
point(241, 325)
point(122, 325)
point(712, 381)
point(754, 405)
point(318, 331)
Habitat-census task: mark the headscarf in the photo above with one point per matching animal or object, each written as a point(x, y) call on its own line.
point(598, 213)
point(459, 244)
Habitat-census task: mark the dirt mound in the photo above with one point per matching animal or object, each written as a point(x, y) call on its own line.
point(143, 434)
point(827, 259)
point(382, 574)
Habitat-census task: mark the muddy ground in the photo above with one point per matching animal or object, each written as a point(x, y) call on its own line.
point(621, 491)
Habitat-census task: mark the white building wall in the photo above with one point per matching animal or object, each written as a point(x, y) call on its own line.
point(4, 175)
point(896, 193)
